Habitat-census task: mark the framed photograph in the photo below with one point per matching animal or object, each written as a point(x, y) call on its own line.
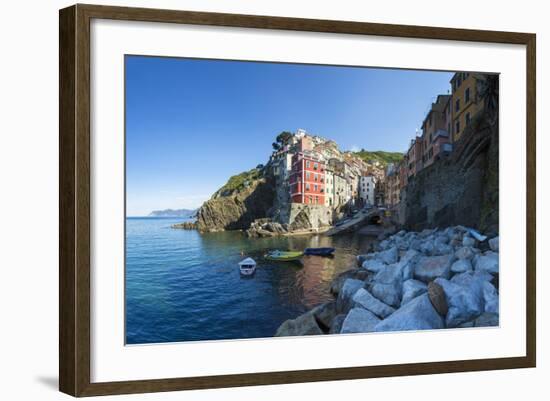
point(249, 200)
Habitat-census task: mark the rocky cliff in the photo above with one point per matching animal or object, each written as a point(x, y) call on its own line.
point(461, 189)
point(245, 198)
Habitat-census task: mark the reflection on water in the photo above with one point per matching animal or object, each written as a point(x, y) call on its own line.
point(182, 286)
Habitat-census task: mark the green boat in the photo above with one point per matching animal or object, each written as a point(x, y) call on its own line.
point(283, 256)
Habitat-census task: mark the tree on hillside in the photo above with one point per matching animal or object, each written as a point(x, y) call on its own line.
point(281, 140)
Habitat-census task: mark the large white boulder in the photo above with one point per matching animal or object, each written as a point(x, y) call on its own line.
point(365, 299)
point(390, 293)
point(411, 289)
point(374, 265)
point(465, 252)
point(490, 297)
point(465, 303)
point(428, 268)
point(494, 244)
point(488, 262)
point(461, 266)
point(344, 302)
point(388, 256)
point(359, 320)
point(418, 314)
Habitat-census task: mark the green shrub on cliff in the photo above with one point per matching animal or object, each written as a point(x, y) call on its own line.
point(380, 156)
point(238, 182)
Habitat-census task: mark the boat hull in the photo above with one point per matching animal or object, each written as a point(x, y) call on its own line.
point(319, 251)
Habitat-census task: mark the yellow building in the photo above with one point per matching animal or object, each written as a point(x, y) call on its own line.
point(465, 101)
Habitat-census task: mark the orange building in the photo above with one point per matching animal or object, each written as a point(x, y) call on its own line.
point(465, 102)
point(307, 178)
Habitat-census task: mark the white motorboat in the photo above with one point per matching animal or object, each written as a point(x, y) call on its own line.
point(247, 267)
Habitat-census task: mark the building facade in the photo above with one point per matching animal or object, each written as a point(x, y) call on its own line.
point(307, 178)
point(367, 187)
point(414, 156)
point(434, 130)
point(465, 101)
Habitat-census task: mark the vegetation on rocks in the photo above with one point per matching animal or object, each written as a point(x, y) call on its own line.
point(380, 156)
point(239, 182)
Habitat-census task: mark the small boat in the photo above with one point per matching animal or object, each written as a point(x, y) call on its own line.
point(247, 266)
point(319, 251)
point(283, 256)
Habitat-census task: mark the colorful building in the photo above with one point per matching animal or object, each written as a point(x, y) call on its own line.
point(434, 130)
point(392, 185)
point(414, 156)
point(307, 178)
point(465, 101)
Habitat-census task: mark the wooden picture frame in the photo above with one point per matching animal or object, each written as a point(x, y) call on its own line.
point(74, 203)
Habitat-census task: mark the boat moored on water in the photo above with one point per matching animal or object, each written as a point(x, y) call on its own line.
point(283, 256)
point(319, 251)
point(247, 267)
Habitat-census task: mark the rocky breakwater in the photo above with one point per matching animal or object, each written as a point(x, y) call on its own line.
point(186, 225)
point(434, 279)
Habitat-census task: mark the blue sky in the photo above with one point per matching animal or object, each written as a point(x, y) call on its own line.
point(190, 124)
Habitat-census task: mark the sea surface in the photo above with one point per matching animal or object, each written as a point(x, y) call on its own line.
point(186, 286)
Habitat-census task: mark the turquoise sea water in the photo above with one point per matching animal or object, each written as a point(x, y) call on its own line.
point(183, 286)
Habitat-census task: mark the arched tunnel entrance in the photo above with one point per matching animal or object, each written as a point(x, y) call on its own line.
point(376, 219)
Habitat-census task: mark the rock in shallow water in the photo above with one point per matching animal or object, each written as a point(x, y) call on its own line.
point(338, 282)
point(418, 314)
point(344, 302)
point(336, 325)
point(324, 314)
point(359, 320)
point(366, 300)
point(303, 325)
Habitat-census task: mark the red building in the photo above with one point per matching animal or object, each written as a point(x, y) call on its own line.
point(307, 178)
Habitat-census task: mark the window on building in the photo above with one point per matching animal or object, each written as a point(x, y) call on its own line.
point(457, 105)
point(315, 187)
point(307, 187)
point(315, 166)
point(308, 164)
point(457, 127)
point(467, 95)
point(459, 80)
point(307, 175)
point(467, 118)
